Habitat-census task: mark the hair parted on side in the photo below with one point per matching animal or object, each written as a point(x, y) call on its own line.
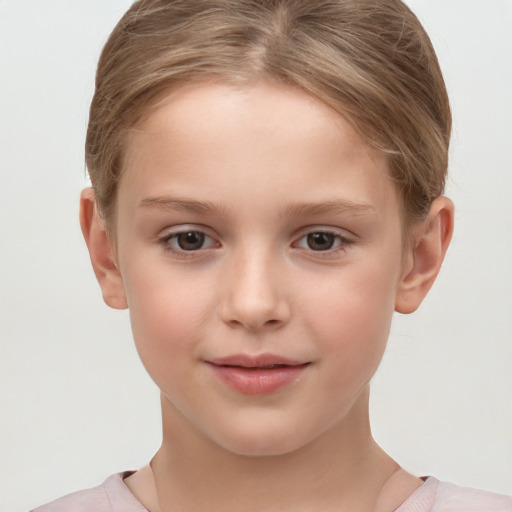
point(369, 60)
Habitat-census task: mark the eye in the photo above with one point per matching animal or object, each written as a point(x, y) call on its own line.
point(190, 240)
point(187, 241)
point(321, 241)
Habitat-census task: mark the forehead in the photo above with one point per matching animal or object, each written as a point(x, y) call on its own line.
point(266, 139)
point(290, 112)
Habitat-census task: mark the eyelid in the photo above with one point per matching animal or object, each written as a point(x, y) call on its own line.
point(167, 235)
point(345, 240)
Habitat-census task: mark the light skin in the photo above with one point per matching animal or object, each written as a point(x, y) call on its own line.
point(295, 248)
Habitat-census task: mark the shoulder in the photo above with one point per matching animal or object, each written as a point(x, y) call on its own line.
point(436, 496)
point(111, 496)
point(450, 496)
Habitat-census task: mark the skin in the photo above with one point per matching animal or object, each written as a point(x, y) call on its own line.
point(256, 170)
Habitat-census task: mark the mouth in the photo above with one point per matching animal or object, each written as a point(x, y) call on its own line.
point(263, 361)
point(257, 375)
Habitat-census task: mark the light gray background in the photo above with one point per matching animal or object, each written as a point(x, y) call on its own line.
point(75, 403)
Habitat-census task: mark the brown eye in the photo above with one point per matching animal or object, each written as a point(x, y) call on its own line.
point(188, 243)
point(320, 241)
point(190, 240)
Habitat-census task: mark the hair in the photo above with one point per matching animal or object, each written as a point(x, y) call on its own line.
point(369, 60)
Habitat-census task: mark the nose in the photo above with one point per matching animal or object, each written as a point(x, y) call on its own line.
point(255, 294)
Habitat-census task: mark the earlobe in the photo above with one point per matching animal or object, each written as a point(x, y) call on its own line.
point(101, 252)
point(431, 242)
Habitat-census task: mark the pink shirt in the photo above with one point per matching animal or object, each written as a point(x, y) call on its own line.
point(433, 496)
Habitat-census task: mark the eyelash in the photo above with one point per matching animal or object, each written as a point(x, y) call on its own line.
point(170, 243)
point(340, 242)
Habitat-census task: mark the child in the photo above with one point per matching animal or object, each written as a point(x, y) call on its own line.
point(267, 191)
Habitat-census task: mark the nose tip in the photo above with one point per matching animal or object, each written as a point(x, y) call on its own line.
point(255, 316)
point(255, 300)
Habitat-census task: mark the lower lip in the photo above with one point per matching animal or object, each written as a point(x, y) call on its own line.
point(257, 381)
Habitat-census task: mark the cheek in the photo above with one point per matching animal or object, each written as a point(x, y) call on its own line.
point(167, 314)
point(351, 317)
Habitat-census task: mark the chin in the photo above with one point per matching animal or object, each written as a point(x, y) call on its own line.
point(260, 447)
point(264, 442)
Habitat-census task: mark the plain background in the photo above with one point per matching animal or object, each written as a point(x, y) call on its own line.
point(76, 404)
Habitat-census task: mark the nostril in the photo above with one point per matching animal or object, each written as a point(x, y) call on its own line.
point(255, 325)
point(254, 308)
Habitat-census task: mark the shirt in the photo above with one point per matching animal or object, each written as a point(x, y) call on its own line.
point(433, 496)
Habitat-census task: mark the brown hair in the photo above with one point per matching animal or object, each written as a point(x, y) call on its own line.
point(370, 60)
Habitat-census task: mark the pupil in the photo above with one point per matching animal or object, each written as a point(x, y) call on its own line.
point(320, 241)
point(191, 240)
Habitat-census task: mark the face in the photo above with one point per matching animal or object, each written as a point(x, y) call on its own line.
point(259, 243)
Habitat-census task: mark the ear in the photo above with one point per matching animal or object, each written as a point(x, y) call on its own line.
point(431, 240)
point(101, 252)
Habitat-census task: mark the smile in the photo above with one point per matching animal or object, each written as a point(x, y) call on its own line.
point(256, 375)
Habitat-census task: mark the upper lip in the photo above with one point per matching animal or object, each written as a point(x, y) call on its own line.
point(255, 361)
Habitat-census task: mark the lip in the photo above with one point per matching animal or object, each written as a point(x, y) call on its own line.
point(257, 375)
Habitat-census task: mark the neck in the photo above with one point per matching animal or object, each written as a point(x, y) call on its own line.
point(343, 469)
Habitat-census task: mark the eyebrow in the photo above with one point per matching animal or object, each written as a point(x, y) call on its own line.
point(180, 204)
point(333, 205)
